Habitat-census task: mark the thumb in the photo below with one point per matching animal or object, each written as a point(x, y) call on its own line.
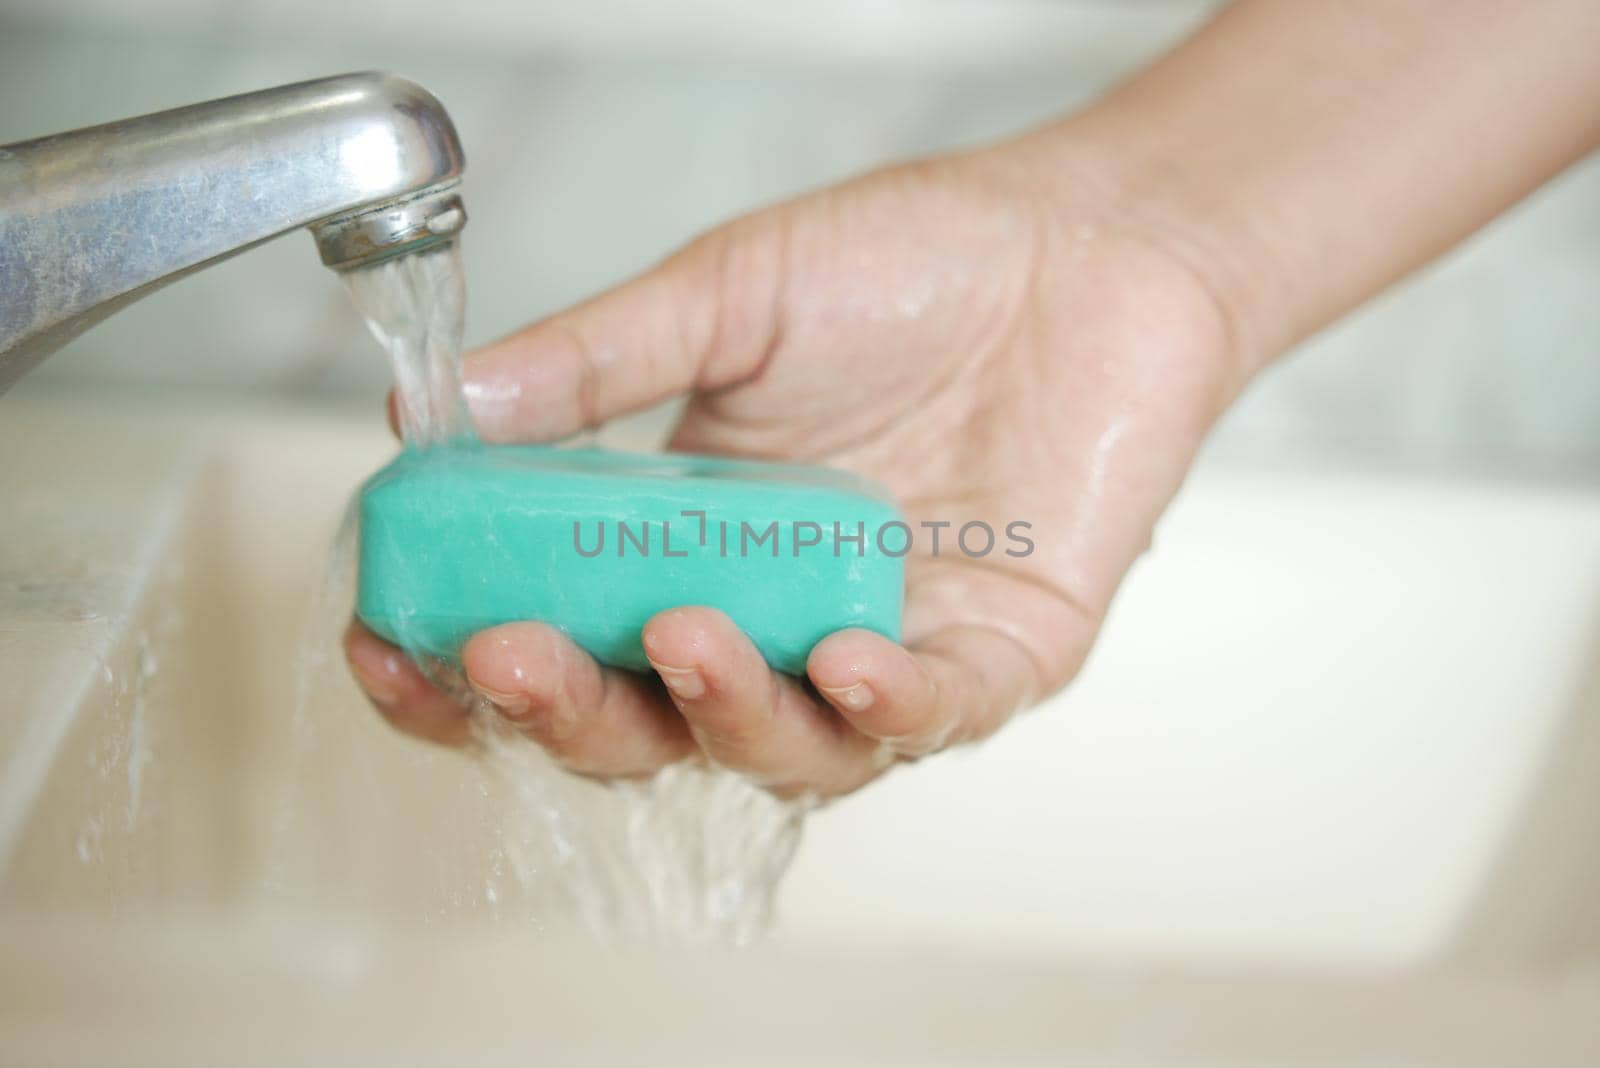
point(702, 319)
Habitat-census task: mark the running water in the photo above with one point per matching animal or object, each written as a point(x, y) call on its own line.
point(693, 855)
point(415, 305)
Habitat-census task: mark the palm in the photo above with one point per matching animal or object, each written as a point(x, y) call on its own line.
point(984, 364)
point(988, 353)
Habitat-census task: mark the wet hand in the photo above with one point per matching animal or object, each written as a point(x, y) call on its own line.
point(991, 337)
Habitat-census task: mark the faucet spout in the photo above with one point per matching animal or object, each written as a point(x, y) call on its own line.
point(94, 219)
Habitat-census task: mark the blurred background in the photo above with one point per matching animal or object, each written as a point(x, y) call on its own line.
point(600, 135)
point(1345, 719)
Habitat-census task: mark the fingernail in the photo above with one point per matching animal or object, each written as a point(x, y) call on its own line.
point(856, 697)
point(546, 720)
point(686, 684)
point(510, 705)
point(377, 680)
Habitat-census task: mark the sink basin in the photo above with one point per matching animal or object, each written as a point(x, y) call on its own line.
point(1337, 754)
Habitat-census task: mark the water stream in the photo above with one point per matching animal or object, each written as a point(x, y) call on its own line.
point(415, 306)
point(693, 855)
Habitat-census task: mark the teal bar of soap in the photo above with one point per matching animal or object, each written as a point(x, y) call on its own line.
point(457, 539)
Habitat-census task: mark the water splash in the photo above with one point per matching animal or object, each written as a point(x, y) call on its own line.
point(691, 856)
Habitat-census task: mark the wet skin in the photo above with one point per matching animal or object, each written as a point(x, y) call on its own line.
point(1041, 331)
point(985, 347)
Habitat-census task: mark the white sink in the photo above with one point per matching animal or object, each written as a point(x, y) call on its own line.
point(1350, 721)
point(1338, 750)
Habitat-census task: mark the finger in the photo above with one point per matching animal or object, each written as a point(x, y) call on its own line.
point(956, 684)
point(592, 720)
point(702, 319)
point(748, 717)
point(400, 692)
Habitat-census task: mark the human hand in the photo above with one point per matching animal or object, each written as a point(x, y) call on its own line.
point(992, 337)
point(1041, 332)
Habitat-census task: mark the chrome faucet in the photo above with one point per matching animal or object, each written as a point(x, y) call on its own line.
point(94, 219)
